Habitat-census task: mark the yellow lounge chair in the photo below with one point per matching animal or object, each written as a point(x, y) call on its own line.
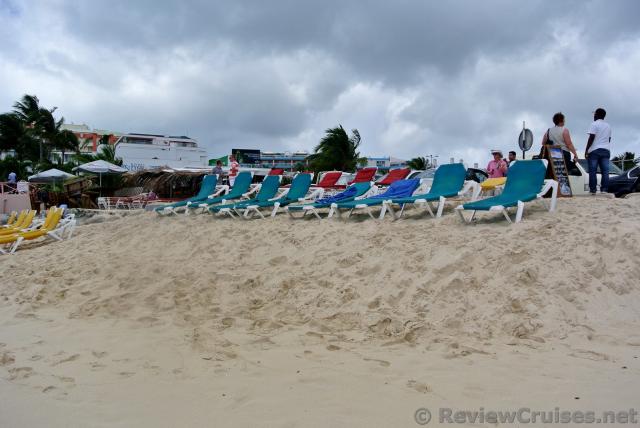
point(12, 218)
point(492, 183)
point(20, 226)
point(51, 228)
point(16, 220)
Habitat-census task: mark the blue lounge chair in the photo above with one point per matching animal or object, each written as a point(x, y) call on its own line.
point(356, 190)
point(295, 193)
point(207, 187)
point(526, 183)
point(267, 190)
point(448, 182)
point(241, 189)
point(398, 189)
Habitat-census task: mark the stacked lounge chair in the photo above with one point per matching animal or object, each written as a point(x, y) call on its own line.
point(399, 189)
point(296, 193)
point(267, 190)
point(393, 176)
point(54, 226)
point(207, 187)
point(23, 223)
point(448, 182)
point(241, 189)
point(353, 192)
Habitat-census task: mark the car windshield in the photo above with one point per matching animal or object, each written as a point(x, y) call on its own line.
point(613, 168)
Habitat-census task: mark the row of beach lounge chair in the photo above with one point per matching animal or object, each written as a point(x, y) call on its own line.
point(25, 226)
point(526, 183)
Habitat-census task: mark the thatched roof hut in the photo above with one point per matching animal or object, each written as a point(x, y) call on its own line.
point(166, 183)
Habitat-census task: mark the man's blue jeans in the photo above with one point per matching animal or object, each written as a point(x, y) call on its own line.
point(599, 159)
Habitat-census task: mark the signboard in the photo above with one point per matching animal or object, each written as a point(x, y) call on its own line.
point(559, 169)
point(525, 139)
point(246, 156)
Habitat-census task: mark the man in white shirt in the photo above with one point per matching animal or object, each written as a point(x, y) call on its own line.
point(598, 151)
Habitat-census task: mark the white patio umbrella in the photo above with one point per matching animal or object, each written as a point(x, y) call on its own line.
point(50, 176)
point(100, 167)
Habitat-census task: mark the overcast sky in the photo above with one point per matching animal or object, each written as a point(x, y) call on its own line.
point(452, 78)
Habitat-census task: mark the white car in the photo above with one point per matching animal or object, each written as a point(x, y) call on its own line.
point(579, 176)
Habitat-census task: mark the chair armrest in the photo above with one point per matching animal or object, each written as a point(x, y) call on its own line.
point(316, 193)
point(253, 190)
point(473, 187)
point(220, 190)
point(283, 192)
point(553, 186)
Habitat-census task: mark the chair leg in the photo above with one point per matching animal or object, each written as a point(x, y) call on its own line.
point(276, 206)
point(520, 211)
point(315, 212)
point(506, 215)
point(15, 245)
point(332, 210)
point(429, 208)
point(383, 210)
point(402, 207)
point(441, 203)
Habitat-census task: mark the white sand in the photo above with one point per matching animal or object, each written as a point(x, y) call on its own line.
point(147, 321)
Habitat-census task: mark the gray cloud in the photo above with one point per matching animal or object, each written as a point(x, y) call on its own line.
point(448, 78)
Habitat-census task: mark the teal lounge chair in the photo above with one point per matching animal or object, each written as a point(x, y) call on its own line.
point(241, 189)
point(207, 187)
point(526, 183)
point(353, 192)
point(295, 193)
point(267, 190)
point(448, 182)
point(397, 189)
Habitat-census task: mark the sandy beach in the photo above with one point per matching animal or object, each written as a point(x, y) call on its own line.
point(143, 320)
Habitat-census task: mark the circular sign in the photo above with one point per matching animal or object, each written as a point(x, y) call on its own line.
point(525, 139)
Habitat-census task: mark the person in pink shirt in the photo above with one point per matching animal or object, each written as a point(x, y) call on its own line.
point(234, 166)
point(497, 168)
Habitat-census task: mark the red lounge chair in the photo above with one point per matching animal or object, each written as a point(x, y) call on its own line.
point(394, 175)
point(365, 174)
point(329, 179)
point(276, 171)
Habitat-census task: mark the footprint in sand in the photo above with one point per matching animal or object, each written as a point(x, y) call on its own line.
point(99, 354)
point(67, 380)
point(589, 355)
point(419, 386)
point(66, 360)
point(383, 363)
point(278, 260)
point(20, 373)
point(95, 365)
point(228, 322)
point(6, 359)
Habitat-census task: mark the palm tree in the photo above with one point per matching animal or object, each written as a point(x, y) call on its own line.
point(65, 141)
point(626, 160)
point(336, 151)
point(107, 152)
point(419, 163)
point(14, 135)
point(39, 121)
point(28, 109)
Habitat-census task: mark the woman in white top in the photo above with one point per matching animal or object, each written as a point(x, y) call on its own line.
point(559, 136)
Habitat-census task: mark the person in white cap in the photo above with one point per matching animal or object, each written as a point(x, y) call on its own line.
point(497, 168)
